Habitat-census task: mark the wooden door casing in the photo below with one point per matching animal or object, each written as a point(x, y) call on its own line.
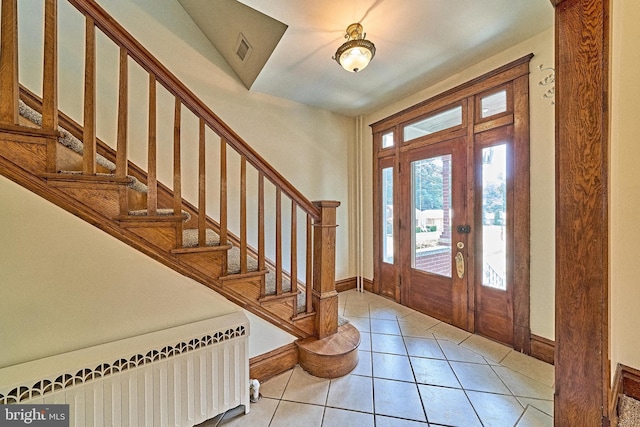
point(514, 78)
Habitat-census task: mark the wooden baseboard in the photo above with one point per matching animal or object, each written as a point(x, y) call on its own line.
point(351, 283)
point(273, 363)
point(346, 284)
point(543, 349)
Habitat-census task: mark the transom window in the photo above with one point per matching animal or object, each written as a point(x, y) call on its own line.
point(493, 104)
point(387, 140)
point(434, 123)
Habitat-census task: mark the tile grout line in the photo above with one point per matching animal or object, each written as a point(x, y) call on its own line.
point(486, 361)
point(458, 379)
point(413, 372)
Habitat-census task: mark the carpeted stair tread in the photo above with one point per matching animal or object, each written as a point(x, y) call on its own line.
point(190, 238)
point(135, 184)
point(74, 144)
point(233, 267)
point(233, 262)
point(628, 412)
point(160, 212)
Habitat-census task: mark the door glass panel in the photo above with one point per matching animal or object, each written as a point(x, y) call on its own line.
point(494, 207)
point(387, 140)
point(494, 104)
point(431, 215)
point(387, 215)
point(441, 121)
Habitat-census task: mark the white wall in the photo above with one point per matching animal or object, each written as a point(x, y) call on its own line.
point(624, 185)
point(542, 171)
point(66, 285)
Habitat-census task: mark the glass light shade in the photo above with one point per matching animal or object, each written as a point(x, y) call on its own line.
point(355, 58)
point(355, 54)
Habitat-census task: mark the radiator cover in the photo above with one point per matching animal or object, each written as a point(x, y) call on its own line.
point(174, 377)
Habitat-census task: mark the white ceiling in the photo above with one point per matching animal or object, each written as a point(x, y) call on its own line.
point(418, 43)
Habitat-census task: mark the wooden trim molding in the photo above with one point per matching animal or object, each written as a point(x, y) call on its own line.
point(393, 280)
point(346, 284)
point(543, 348)
point(273, 363)
point(352, 283)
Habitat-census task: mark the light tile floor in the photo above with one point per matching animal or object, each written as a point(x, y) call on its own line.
point(413, 371)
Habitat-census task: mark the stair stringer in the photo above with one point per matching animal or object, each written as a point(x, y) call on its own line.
point(28, 147)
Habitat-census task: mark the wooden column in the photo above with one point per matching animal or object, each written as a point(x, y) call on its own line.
point(581, 359)
point(325, 297)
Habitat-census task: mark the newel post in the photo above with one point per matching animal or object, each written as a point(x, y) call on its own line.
point(325, 297)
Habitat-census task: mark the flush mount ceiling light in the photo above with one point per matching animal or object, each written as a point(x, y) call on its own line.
point(356, 53)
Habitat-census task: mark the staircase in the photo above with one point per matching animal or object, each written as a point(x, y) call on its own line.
point(63, 161)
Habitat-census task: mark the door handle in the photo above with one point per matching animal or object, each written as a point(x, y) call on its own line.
point(460, 265)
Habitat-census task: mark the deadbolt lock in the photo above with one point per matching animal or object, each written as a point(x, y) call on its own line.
point(464, 229)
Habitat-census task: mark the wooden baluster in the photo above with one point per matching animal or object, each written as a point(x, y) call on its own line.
point(278, 241)
point(152, 177)
point(223, 194)
point(243, 215)
point(202, 188)
point(261, 260)
point(325, 297)
point(177, 170)
point(294, 255)
point(50, 80)
point(9, 63)
point(122, 150)
point(309, 277)
point(50, 68)
point(89, 132)
point(123, 116)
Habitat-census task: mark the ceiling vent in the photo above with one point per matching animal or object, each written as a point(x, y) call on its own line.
point(243, 48)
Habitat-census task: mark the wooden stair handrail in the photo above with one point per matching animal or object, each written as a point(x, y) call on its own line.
point(147, 61)
point(321, 299)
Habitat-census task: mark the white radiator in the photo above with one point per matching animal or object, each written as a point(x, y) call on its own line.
point(176, 377)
